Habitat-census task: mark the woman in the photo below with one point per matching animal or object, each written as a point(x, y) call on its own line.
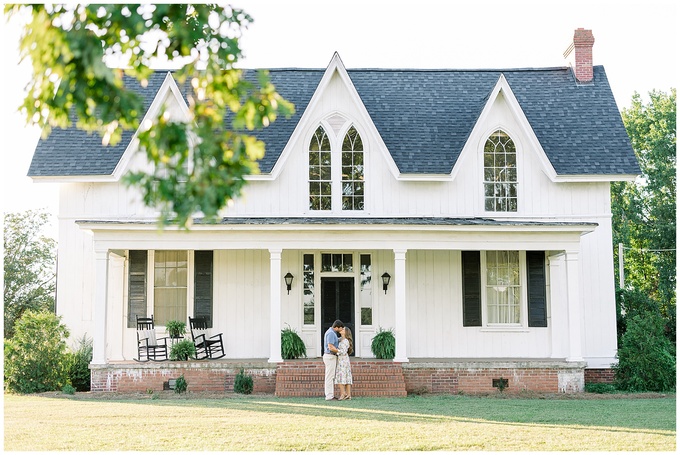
point(343, 372)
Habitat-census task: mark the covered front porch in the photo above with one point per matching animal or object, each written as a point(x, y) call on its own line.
point(422, 304)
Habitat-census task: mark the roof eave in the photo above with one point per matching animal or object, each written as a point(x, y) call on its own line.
point(590, 178)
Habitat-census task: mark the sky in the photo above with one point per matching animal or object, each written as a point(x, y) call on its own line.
point(635, 41)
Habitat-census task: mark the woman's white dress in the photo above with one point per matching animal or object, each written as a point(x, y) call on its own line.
point(343, 371)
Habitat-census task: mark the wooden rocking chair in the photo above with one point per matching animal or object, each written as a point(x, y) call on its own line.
point(207, 347)
point(149, 347)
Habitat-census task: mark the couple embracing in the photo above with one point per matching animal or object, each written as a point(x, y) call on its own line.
point(336, 359)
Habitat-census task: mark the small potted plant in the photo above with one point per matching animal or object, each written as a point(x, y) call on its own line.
point(383, 344)
point(183, 350)
point(292, 346)
point(176, 329)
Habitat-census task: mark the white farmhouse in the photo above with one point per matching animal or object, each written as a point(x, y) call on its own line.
point(483, 196)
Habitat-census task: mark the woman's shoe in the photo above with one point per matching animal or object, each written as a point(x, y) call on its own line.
point(343, 397)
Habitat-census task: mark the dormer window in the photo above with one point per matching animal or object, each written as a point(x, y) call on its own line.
point(500, 173)
point(320, 181)
point(352, 171)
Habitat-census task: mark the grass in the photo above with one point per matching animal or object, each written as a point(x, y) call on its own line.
point(266, 423)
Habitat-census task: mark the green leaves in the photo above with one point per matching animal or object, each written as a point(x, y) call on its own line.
point(30, 266)
point(383, 345)
point(199, 162)
point(292, 346)
point(243, 383)
point(644, 212)
point(183, 350)
point(646, 360)
point(36, 358)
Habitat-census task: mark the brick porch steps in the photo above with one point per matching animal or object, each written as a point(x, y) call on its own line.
point(305, 378)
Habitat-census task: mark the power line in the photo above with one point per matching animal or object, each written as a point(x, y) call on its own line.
point(646, 250)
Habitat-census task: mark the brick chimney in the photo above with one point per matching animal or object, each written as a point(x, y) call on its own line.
point(580, 55)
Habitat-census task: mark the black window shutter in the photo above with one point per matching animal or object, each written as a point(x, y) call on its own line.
point(536, 296)
point(203, 285)
point(137, 260)
point(472, 289)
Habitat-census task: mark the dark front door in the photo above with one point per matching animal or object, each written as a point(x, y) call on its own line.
point(337, 302)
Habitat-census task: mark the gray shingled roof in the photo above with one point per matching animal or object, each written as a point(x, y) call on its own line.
point(72, 152)
point(423, 116)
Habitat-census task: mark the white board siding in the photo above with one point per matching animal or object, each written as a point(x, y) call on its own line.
point(434, 316)
point(598, 296)
point(433, 301)
point(241, 301)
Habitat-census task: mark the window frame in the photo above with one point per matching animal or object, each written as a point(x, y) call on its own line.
point(522, 325)
point(336, 141)
point(485, 182)
point(151, 286)
point(351, 181)
point(320, 181)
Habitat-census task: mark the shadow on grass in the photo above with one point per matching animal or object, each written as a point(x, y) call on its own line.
point(655, 415)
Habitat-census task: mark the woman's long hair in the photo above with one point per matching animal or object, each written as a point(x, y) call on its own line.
point(348, 335)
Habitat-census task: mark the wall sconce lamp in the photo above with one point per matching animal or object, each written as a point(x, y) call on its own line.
point(386, 280)
point(289, 281)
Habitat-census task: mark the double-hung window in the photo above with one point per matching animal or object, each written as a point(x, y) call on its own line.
point(504, 289)
point(159, 284)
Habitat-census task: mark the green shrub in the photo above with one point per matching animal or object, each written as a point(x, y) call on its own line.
point(36, 358)
point(181, 384)
point(243, 383)
point(79, 365)
point(176, 329)
point(646, 362)
point(292, 346)
point(600, 387)
point(383, 344)
point(68, 389)
point(182, 350)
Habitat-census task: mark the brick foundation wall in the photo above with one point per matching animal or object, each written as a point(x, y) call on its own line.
point(199, 377)
point(599, 375)
point(305, 377)
point(473, 380)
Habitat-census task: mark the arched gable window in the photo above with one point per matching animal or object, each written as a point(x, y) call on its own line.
point(500, 173)
point(352, 171)
point(320, 171)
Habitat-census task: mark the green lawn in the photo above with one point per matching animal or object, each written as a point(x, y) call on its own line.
point(266, 423)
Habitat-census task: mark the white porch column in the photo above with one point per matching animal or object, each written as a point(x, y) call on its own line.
point(400, 305)
point(574, 305)
point(275, 306)
point(101, 271)
point(558, 319)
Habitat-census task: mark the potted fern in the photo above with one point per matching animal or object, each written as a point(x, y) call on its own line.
point(176, 329)
point(292, 346)
point(182, 350)
point(382, 345)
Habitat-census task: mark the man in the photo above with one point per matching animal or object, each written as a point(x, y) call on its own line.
point(330, 357)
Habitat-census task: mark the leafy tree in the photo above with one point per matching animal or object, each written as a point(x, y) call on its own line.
point(30, 276)
point(644, 212)
point(37, 358)
point(69, 47)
